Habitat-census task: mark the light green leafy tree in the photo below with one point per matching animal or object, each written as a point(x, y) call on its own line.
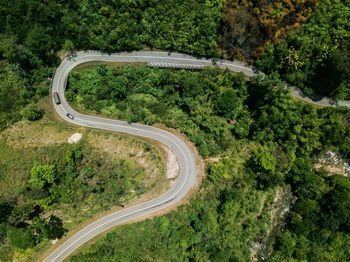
point(263, 164)
point(263, 161)
point(68, 46)
point(42, 175)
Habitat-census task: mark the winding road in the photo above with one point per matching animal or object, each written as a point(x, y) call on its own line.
point(184, 154)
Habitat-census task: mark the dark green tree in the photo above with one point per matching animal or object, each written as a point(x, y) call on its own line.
point(22, 237)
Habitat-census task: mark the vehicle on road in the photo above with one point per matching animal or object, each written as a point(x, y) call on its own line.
point(56, 97)
point(70, 116)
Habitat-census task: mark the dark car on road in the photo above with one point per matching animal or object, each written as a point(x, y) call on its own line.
point(70, 116)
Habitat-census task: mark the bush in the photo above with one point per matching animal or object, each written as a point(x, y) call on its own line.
point(31, 112)
point(22, 237)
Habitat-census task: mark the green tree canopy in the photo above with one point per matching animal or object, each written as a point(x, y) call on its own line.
point(22, 237)
point(263, 161)
point(42, 175)
point(31, 112)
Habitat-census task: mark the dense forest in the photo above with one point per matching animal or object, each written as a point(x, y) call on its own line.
point(223, 113)
point(250, 26)
point(32, 32)
point(316, 57)
point(306, 42)
point(263, 138)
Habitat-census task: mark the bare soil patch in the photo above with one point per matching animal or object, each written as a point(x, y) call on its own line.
point(333, 164)
point(74, 138)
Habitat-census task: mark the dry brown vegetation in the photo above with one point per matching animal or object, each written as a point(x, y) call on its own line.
point(249, 26)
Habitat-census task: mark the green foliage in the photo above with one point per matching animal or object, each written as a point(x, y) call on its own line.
point(73, 156)
point(31, 112)
point(188, 26)
point(70, 158)
point(219, 111)
point(221, 171)
point(318, 226)
point(307, 183)
point(249, 26)
point(68, 46)
point(215, 226)
point(3, 232)
point(293, 125)
point(338, 217)
point(21, 237)
point(19, 95)
point(5, 210)
point(10, 99)
point(263, 161)
point(57, 179)
point(101, 69)
point(55, 228)
point(263, 164)
point(316, 58)
point(42, 175)
point(32, 33)
point(39, 41)
point(223, 113)
point(201, 103)
point(229, 105)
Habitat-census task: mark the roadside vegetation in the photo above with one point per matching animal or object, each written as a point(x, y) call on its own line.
point(32, 33)
point(316, 57)
point(306, 42)
point(49, 186)
point(248, 27)
point(262, 138)
point(217, 225)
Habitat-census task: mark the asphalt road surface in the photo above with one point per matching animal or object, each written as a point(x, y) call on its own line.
point(184, 155)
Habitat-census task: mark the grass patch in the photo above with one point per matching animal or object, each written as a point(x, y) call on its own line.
point(113, 169)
